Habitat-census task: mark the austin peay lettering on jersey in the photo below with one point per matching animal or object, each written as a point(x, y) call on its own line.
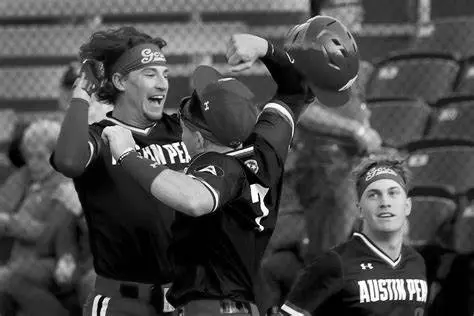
point(357, 278)
point(230, 241)
point(164, 153)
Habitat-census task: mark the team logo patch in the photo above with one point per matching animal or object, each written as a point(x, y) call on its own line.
point(252, 165)
point(152, 56)
point(378, 171)
point(214, 170)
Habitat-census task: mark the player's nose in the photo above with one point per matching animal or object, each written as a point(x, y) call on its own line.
point(161, 83)
point(384, 201)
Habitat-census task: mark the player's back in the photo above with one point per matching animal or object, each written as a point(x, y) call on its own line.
point(129, 229)
point(218, 254)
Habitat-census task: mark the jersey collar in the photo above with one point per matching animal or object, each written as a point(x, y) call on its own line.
point(377, 251)
point(138, 130)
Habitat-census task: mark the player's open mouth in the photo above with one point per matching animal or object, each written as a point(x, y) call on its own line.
point(156, 100)
point(385, 215)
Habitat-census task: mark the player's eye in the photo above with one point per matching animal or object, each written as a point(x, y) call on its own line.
point(394, 192)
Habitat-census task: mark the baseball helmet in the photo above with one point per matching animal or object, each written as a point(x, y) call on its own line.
point(325, 53)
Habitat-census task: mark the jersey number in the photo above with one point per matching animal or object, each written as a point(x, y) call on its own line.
point(258, 193)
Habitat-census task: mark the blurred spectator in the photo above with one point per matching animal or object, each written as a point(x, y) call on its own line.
point(37, 205)
point(327, 144)
point(330, 142)
point(8, 121)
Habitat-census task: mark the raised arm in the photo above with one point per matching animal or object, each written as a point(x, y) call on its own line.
point(73, 150)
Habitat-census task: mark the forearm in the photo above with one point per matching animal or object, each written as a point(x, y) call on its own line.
point(72, 150)
point(182, 193)
point(320, 119)
point(175, 189)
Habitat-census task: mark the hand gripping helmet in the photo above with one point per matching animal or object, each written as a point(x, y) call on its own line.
point(326, 55)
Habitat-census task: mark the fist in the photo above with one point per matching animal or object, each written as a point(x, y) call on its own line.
point(369, 140)
point(244, 49)
point(119, 140)
point(90, 77)
point(65, 269)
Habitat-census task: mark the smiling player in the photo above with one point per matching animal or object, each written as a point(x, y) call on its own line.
point(373, 273)
point(129, 238)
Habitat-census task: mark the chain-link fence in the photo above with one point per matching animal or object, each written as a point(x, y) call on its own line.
point(416, 91)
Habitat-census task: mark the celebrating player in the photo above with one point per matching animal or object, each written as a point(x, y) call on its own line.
point(228, 197)
point(129, 238)
point(373, 273)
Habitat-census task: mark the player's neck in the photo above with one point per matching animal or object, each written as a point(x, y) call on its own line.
point(130, 115)
point(390, 243)
point(216, 148)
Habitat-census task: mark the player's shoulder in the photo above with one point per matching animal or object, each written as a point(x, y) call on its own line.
point(412, 254)
point(98, 127)
point(328, 261)
point(218, 164)
point(347, 248)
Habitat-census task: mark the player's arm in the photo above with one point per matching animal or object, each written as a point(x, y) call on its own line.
point(315, 284)
point(73, 150)
point(244, 49)
point(186, 193)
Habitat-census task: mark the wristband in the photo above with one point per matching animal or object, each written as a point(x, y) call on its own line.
point(127, 152)
point(143, 170)
point(278, 55)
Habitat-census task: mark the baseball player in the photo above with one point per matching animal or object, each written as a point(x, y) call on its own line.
point(373, 273)
point(129, 238)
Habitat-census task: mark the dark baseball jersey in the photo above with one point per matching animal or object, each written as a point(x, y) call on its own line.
point(217, 255)
point(129, 229)
point(358, 278)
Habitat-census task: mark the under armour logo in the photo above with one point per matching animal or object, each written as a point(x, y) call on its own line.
point(366, 266)
point(290, 58)
point(206, 105)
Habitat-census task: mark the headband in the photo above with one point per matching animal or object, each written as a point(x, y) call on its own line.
point(138, 57)
point(378, 173)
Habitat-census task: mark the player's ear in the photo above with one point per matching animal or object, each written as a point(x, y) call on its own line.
point(200, 141)
point(359, 209)
point(408, 205)
point(118, 81)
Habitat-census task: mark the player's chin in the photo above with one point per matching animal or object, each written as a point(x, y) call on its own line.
point(388, 226)
point(153, 111)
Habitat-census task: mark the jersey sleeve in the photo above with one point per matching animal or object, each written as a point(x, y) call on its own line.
point(221, 175)
point(95, 143)
point(276, 126)
point(314, 285)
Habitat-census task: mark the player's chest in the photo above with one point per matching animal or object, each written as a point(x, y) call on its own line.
point(374, 282)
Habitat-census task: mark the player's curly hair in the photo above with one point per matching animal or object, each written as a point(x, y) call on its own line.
point(107, 46)
point(394, 162)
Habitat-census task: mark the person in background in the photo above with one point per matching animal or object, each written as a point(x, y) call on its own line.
point(329, 143)
point(37, 205)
